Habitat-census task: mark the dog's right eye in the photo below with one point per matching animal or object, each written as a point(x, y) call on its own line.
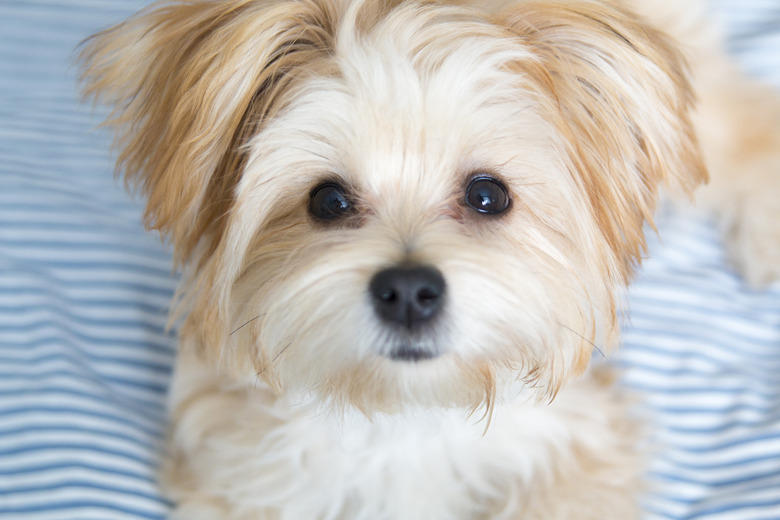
point(487, 195)
point(328, 201)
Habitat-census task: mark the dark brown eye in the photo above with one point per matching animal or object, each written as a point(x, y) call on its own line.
point(328, 201)
point(487, 195)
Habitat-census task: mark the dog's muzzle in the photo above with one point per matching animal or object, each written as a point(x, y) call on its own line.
point(408, 297)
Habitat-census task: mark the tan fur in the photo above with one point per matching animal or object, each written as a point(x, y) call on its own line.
point(185, 110)
point(285, 403)
point(584, 47)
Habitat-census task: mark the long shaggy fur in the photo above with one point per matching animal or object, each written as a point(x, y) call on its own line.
point(287, 402)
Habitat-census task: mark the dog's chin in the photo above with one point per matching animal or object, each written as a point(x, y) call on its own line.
point(417, 346)
point(411, 352)
point(411, 378)
point(406, 375)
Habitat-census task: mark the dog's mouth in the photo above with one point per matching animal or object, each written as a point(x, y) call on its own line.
point(409, 352)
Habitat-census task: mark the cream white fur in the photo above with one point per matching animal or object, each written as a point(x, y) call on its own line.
point(275, 458)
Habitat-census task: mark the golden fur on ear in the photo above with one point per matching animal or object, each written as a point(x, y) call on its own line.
point(189, 82)
point(625, 103)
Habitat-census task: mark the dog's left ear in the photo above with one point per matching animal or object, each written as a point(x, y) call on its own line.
point(624, 101)
point(189, 82)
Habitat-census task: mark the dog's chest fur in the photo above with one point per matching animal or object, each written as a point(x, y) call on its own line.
point(293, 460)
point(427, 465)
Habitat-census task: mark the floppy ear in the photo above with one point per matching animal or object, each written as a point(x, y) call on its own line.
point(625, 100)
point(189, 82)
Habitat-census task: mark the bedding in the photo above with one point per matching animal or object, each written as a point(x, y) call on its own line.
point(85, 356)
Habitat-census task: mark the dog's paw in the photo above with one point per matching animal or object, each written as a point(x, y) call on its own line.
point(753, 237)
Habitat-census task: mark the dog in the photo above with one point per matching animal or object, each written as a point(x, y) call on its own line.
point(405, 225)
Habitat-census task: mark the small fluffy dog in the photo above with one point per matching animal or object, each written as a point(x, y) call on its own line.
point(404, 226)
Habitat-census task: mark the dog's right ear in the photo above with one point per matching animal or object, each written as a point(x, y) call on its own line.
point(189, 82)
point(625, 104)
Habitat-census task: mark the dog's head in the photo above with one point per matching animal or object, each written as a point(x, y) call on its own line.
point(387, 203)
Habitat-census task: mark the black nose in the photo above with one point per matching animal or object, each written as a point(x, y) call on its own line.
point(408, 295)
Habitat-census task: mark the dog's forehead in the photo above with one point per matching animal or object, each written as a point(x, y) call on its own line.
point(417, 106)
point(405, 112)
point(423, 96)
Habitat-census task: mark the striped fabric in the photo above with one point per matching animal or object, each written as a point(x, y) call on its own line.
point(752, 30)
point(704, 354)
point(85, 359)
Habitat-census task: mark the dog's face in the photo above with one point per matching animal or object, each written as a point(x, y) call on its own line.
point(393, 204)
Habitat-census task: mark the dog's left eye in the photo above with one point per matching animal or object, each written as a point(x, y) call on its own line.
point(328, 201)
point(487, 195)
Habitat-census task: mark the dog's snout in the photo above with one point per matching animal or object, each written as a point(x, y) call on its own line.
point(408, 295)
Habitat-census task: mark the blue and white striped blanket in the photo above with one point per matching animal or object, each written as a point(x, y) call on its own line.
point(85, 359)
